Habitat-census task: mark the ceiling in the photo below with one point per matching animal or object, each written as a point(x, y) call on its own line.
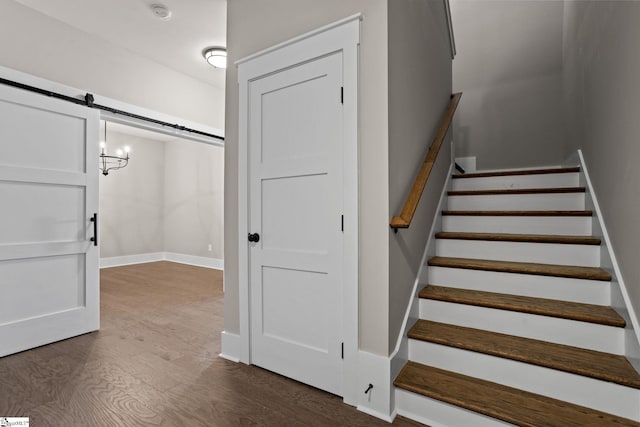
point(130, 24)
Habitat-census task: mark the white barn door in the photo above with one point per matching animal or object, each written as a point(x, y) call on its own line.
point(49, 277)
point(295, 198)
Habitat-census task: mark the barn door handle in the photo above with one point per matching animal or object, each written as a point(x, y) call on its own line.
point(94, 219)
point(254, 238)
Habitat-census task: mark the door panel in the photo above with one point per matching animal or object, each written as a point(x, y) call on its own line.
point(49, 280)
point(295, 203)
point(304, 232)
point(36, 149)
point(292, 129)
point(307, 296)
point(40, 297)
point(41, 212)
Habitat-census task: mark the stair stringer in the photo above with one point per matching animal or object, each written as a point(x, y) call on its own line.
point(400, 355)
point(619, 296)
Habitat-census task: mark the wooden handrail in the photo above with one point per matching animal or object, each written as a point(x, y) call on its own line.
point(411, 204)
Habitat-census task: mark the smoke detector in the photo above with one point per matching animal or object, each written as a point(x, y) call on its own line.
point(161, 11)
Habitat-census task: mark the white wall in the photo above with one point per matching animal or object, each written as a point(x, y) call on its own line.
point(168, 199)
point(419, 93)
point(255, 25)
point(193, 199)
point(602, 106)
point(132, 199)
point(34, 43)
point(509, 67)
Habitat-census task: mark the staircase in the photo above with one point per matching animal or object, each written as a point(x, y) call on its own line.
point(515, 326)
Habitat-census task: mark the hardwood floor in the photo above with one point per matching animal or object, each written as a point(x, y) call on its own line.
point(155, 363)
point(514, 406)
point(603, 315)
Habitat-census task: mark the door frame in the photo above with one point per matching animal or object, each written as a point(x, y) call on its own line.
point(341, 36)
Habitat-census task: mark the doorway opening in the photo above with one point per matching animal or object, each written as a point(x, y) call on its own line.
point(166, 204)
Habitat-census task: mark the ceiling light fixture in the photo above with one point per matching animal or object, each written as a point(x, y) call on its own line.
point(110, 162)
point(216, 56)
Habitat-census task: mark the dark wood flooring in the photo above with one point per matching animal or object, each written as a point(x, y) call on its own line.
point(569, 271)
point(594, 364)
point(505, 403)
point(591, 313)
point(155, 363)
point(518, 172)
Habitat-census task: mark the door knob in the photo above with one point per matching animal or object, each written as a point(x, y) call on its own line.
point(254, 238)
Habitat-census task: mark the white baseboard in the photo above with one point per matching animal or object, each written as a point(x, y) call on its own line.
point(198, 261)
point(619, 294)
point(467, 163)
point(230, 346)
point(118, 261)
point(375, 370)
point(384, 417)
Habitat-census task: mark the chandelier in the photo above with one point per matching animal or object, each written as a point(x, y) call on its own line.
point(111, 162)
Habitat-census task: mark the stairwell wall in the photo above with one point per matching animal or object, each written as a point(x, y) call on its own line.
point(601, 65)
point(419, 92)
point(509, 67)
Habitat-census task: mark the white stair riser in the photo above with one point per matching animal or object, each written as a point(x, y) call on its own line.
point(545, 253)
point(555, 180)
point(558, 288)
point(435, 413)
point(580, 390)
point(565, 226)
point(561, 331)
point(521, 202)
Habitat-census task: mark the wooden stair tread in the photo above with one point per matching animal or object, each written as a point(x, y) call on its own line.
point(515, 406)
point(589, 363)
point(513, 191)
point(518, 213)
point(591, 313)
point(520, 172)
point(528, 238)
point(569, 271)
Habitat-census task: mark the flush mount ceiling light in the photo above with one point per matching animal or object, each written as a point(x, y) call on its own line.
point(216, 56)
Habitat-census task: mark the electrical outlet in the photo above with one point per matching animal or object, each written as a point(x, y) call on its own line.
point(210, 247)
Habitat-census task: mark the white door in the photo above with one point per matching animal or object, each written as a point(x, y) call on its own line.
point(295, 204)
point(49, 278)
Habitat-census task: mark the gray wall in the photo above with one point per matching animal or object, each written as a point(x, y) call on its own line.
point(132, 200)
point(193, 199)
point(255, 25)
point(419, 92)
point(509, 67)
point(42, 46)
point(168, 199)
point(602, 94)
